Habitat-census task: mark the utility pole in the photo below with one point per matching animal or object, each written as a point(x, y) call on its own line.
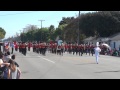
point(41, 22)
point(20, 35)
point(24, 30)
point(79, 29)
point(41, 27)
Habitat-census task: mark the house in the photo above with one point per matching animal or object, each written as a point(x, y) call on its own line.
point(115, 41)
point(89, 40)
point(93, 40)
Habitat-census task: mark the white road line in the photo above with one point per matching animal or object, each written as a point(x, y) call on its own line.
point(46, 59)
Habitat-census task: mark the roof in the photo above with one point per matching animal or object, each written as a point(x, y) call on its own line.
point(103, 39)
point(115, 37)
point(89, 39)
point(97, 39)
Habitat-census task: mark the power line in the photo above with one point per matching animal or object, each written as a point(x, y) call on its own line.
point(18, 13)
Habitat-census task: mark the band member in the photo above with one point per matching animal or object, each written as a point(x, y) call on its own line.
point(55, 48)
point(59, 50)
point(70, 48)
point(89, 49)
point(79, 49)
point(62, 49)
point(20, 47)
point(40, 48)
point(86, 49)
point(66, 48)
point(97, 51)
point(29, 46)
point(37, 47)
point(16, 46)
point(43, 48)
point(82, 49)
point(92, 49)
point(76, 48)
point(24, 48)
point(52, 48)
point(73, 48)
point(34, 47)
point(12, 46)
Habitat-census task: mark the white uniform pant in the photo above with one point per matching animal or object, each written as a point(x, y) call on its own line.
point(97, 57)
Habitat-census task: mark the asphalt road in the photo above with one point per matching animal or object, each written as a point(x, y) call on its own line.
point(36, 66)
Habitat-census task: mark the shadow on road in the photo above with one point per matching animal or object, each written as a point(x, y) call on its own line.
point(108, 71)
point(85, 63)
point(28, 57)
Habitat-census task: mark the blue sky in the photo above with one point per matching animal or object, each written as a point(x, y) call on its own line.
point(14, 21)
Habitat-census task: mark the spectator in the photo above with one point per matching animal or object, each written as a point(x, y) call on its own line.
point(3, 68)
point(13, 72)
point(2, 64)
point(6, 47)
point(7, 56)
point(13, 58)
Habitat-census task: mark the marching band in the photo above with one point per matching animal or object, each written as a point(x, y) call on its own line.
point(55, 48)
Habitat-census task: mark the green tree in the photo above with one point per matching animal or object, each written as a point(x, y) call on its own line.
point(51, 30)
point(66, 20)
point(36, 35)
point(103, 23)
point(2, 33)
point(99, 24)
